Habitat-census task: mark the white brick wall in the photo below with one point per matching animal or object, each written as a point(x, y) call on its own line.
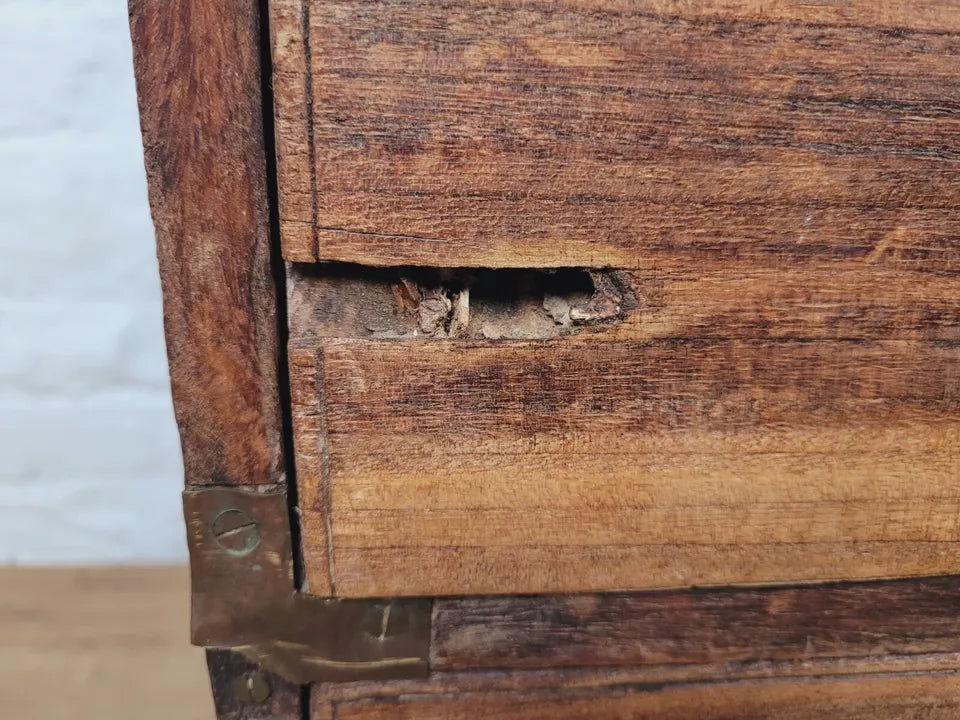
point(89, 458)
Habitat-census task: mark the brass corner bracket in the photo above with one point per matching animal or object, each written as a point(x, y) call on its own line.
point(243, 598)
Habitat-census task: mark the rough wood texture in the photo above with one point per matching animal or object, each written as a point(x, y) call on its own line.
point(293, 103)
point(775, 184)
point(722, 432)
point(198, 78)
point(336, 301)
point(310, 449)
point(779, 405)
point(909, 618)
point(545, 682)
point(935, 696)
point(272, 697)
point(648, 134)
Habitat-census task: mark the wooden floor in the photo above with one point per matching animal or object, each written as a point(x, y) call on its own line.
point(99, 644)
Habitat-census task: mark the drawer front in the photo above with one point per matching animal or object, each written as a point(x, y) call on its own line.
point(658, 449)
point(611, 133)
point(932, 697)
point(742, 365)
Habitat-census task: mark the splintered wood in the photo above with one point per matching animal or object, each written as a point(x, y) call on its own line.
point(779, 400)
point(660, 451)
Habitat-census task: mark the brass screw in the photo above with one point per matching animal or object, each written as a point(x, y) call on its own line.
point(236, 532)
point(251, 689)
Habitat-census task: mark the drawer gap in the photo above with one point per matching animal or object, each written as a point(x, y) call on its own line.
point(354, 301)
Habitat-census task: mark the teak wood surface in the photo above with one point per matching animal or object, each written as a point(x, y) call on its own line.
point(773, 184)
point(679, 635)
point(649, 134)
point(199, 87)
point(777, 185)
point(935, 696)
point(672, 449)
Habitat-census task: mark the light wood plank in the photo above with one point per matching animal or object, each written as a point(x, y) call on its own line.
point(583, 463)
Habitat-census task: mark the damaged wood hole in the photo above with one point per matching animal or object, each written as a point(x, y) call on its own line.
point(346, 300)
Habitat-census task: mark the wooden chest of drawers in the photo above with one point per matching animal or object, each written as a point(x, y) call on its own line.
point(586, 358)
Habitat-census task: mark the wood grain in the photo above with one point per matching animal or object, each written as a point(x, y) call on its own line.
point(198, 79)
point(648, 134)
point(310, 449)
point(734, 626)
point(227, 667)
point(599, 462)
point(554, 680)
point(293, 108)
point(934, 696)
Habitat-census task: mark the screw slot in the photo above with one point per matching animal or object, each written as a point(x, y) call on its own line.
point(384, 621)
point(251, 689)
point(236, 532)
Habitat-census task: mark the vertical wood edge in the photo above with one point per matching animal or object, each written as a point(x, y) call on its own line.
point(290, 52)
point(197, 65)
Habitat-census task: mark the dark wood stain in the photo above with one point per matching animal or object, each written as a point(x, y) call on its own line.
point(198, 76)
point(778, 185)
point(569, 385)
point(724, 625)
point(731, 427)
point(227, 667)
point(613, 695)
point(642, 136)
